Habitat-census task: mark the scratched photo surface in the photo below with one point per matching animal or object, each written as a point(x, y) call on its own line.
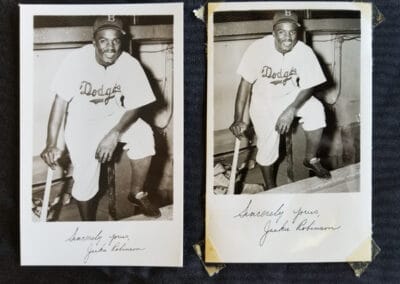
point(284, 120)
point(103, 106)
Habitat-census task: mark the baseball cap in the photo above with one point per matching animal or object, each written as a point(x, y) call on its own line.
point(285, 16)
point(108, 22)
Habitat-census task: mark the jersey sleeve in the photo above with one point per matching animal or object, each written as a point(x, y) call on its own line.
point(248, 64)
point(63, 81)
point(136, 87)
point(311, 73)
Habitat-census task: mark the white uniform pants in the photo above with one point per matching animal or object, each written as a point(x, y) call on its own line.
point(265, 115)
point(83, 138)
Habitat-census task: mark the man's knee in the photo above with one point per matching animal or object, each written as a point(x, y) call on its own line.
point(313, 115)
point(139, 141)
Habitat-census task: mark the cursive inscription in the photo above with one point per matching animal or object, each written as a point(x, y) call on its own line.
point(77, 237)
point(310, 225)
point(299, 212)
point(248, 212)
point(285, 220)
point(271, 229)
point(93, 250)
point(102, 243)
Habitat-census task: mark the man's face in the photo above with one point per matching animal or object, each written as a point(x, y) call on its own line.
point(285, 35)
point(108, 46)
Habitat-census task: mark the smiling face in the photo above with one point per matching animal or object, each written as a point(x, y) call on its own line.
point(285, 35)
point(108, 46)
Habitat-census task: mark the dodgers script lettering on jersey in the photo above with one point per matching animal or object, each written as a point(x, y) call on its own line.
point(273, 74)
point(101, 94)
point(282, 76)
point(94, 92)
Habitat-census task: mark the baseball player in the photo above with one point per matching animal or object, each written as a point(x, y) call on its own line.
point(280, 73)
point(100, 89)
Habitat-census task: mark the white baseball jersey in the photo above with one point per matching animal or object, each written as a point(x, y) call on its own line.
point(98, 96)
point(277, 79)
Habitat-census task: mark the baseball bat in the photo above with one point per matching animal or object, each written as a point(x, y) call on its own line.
point(46, 197)
point(232, 179)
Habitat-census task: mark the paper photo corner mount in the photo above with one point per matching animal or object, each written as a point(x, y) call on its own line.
point(360, 267)
point(211, 269)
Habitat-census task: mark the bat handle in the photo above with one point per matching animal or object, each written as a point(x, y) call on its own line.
point(46, 197)
point(232, 179)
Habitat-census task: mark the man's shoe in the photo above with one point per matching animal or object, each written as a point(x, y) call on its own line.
point(142, 201)
point(315, 165)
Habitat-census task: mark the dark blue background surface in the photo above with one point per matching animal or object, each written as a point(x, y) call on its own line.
point(386, 177)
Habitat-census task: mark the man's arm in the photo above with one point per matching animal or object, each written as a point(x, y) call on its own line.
point(108, 144)
point(286, 118)
point(238, 126)
point(51, 153)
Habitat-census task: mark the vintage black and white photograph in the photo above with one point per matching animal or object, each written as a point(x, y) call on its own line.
point(285, 118)
point(110, 79)
point(107, 116)
point(290, 94)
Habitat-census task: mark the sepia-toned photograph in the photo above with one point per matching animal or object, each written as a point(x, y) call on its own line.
point(287, 90)
point(102, 128)
point(288, 132)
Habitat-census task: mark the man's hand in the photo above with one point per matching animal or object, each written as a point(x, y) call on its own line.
point(285, 120)
point(107, 146)
point(238, 128)
point(50, 155)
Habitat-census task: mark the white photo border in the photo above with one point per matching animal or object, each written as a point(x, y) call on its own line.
point(233, 240)
point(44, 243)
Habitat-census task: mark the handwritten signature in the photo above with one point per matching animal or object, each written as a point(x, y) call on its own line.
point(100, 243)
point(305, 225)
point(283, 220)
